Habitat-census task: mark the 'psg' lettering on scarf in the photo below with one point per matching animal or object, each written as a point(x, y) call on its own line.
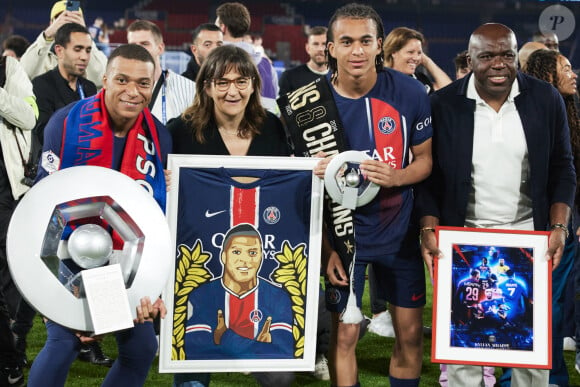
point(88, 140)
point(314, 125)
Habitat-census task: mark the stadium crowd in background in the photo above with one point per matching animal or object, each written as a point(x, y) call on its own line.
point(216, 106)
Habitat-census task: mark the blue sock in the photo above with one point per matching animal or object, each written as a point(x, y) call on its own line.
point(404, 382)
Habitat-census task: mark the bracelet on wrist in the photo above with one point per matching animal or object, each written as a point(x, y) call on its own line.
point(560, 226)
point(423, 230)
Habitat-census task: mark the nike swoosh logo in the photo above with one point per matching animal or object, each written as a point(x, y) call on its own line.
point(212, 214)
point(417, 297)
point(12, 380)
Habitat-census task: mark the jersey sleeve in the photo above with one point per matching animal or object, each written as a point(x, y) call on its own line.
point(200, 327)
point(50, 158)
point(422, 129)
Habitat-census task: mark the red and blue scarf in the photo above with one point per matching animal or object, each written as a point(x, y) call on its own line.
point(89, 140)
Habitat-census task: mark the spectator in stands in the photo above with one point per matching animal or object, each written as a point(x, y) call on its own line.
point(555, 68)
point(257, 41)
point(172, 93)
point(234, 21)
point(40, 57)
point(403, 49)
point(95, 30)
point(17, 110)
point(205, 37)
point(56, 89)
point(248, 38)
point(105, 39)
point(15, 46)
point(461, 66)
point(99, 35)
point(548, 38)
point(527, 50)
point(316, 67)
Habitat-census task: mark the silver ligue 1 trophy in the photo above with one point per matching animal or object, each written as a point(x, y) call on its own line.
point(38, 245)
point(345, 183)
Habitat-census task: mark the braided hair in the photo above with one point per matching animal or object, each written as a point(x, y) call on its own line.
point(353, 11)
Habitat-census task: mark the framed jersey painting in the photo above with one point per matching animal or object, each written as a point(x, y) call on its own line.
point(244, 292)
point(492, 298)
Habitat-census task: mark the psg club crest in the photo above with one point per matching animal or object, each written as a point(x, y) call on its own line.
point(387, 125)
point(256, 316)
point(271, 215)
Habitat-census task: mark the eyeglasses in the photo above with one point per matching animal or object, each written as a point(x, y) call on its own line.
point(242, 83)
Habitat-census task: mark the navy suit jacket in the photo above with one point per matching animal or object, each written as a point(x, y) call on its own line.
point(542, 112)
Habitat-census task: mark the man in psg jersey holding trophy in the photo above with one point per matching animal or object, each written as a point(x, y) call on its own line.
point(124, 136)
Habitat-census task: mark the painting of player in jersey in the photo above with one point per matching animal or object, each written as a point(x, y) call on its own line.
point(245, 287)
point(491, 301)
point(239, 314)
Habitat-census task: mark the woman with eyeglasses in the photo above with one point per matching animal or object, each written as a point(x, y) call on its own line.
point(226, 117)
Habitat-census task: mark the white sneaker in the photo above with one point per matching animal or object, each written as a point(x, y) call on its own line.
point(569, 344)
point(321, 371)
point(382, 325)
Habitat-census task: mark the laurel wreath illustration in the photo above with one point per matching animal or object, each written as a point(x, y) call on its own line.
point(291, 274)
point(189, 275)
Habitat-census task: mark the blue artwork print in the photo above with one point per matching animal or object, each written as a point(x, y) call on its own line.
point(492, 302)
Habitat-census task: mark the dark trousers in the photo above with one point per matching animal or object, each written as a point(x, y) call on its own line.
point(8, 355)
point(7, 205)
point(324, 325)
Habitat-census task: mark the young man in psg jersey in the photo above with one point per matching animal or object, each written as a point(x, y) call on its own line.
point(395, 121)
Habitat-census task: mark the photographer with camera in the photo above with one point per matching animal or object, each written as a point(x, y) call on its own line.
point(18, 113)
point(41, 57)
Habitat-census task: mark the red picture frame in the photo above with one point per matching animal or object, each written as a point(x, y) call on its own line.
point(492, 301)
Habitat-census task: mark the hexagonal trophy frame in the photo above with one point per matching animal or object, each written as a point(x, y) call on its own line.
point(38, 232)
